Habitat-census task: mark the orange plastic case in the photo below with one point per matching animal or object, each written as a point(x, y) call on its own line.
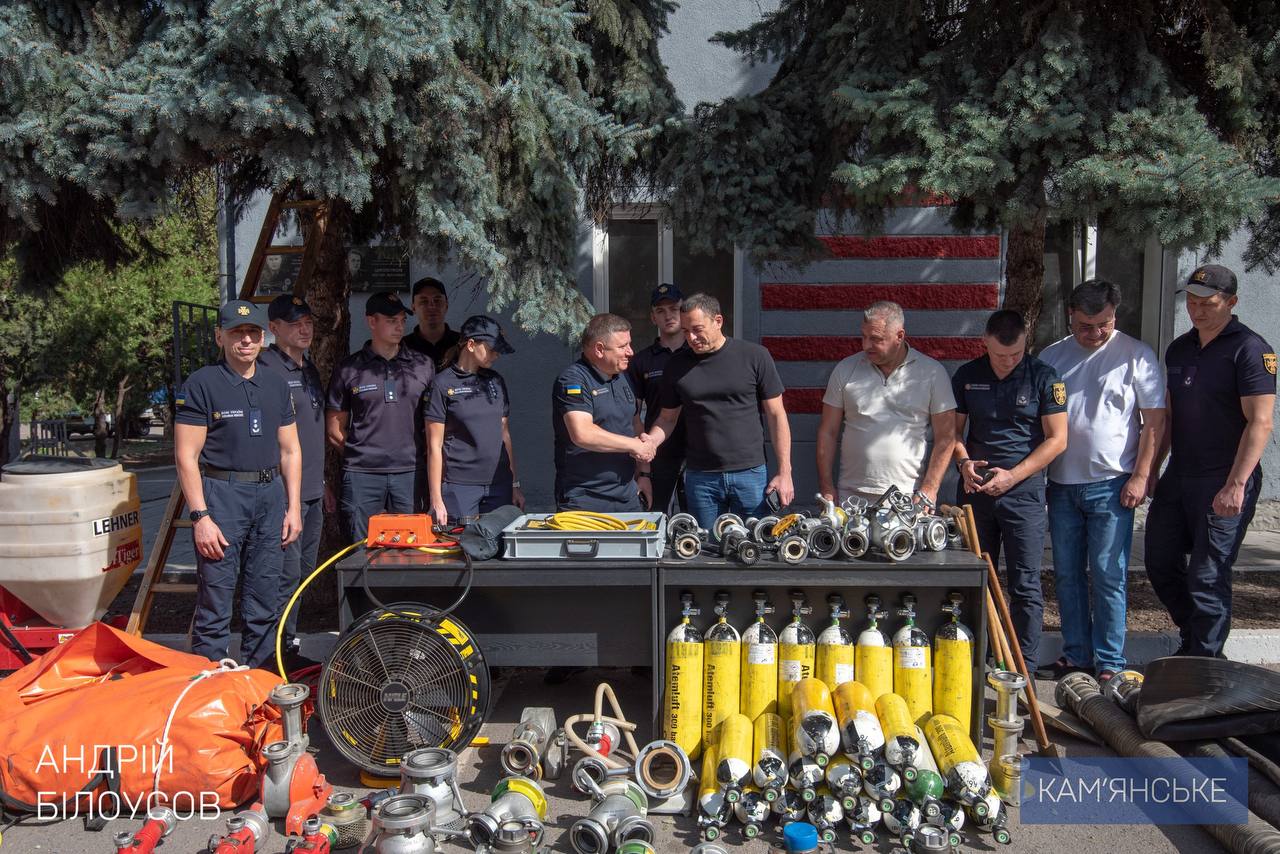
point(104, 689)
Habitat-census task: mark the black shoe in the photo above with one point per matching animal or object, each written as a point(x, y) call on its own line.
point(561, 675)
point(1061, 668)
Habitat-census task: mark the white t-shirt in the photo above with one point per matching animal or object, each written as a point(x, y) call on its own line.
point(1105, 389)
point(887, 431)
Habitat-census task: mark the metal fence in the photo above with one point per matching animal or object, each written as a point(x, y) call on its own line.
point(48, 438)
point(194, 345)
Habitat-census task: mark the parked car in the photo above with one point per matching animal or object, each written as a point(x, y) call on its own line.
point(81, 423)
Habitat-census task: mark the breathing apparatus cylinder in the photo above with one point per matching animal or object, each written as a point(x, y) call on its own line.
point(796, 653)
point(927, 788)
point(722, 660)
point(863, 818)
point(733, 744)
point(713, 809)
point(882, 784)
point(953, 666)
point(804, 775)
point(682, 705)
point(759, 664)
point(814, 731)
point(873, 657)
point(861, 736)
point(912, 673)
point(824, 813)
point(770, 747)
point(790, 807)
point(994, 818)
point(901, 748)
point(959, 763)
point(902, 818)
point(844, 780)
point(834, 654)
point(752, 811)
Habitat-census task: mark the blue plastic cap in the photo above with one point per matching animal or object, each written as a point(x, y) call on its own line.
point(800, 836)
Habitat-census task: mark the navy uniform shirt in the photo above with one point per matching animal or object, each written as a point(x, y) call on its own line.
point(1205, 387)
point(307, 392)
point(242, 416)
point(613, 406)
point(1004, 414)
point(386, 399)
point(436, 352)
point(645, 371)
point(471, 408)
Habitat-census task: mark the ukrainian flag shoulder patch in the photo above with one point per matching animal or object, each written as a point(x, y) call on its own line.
point(572, 389)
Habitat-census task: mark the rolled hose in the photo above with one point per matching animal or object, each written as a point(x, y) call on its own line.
point(1080, 693)
point(1264, 797)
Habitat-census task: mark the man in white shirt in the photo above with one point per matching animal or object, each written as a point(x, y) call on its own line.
point(1115, 417)
point(893, 401)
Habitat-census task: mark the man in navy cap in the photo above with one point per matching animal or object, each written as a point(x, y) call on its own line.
point(240, 467)
point(289, 318)
point(1221, 393)
point(375, 417)
point(645, 371)
point(432, 337)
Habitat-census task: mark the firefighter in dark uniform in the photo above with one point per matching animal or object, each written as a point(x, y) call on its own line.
point(432, 337)
point(596, 418)
point(1016, 410)
point(470, 465)
point(375, 417)
point(289, 319)
point(1222, 391)
point(645, 371)
point(240, 467)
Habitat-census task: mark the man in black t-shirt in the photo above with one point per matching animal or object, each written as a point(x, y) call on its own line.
point(721, 386)
point(432, 337)
point(645, 372)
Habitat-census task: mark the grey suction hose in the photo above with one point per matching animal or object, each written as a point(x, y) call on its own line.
point(1080, 693)
point(1264, 797)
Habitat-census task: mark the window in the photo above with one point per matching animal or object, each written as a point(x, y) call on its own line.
point(638, 251)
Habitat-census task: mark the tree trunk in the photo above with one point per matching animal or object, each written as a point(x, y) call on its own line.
point(167, 413)
point(10, 421)
point(122, 426)
point(1024, 272)
point(100, 423)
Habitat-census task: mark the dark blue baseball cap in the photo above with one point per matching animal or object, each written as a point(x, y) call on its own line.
point(238, 312)
point(482, 328)
point(663, 292)
point(385, 302)
point(288, 308)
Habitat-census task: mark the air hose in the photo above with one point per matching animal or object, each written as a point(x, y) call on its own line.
point(586, 520)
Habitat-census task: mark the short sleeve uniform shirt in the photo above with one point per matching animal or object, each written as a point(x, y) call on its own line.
point(242, 416)
point(386, 399)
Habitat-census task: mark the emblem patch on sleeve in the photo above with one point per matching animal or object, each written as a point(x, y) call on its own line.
point(1269, 362)
point(1060, 393)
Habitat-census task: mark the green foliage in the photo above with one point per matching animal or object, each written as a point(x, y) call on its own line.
point(471, 129)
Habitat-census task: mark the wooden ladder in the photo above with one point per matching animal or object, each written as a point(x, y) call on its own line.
point(175, 511)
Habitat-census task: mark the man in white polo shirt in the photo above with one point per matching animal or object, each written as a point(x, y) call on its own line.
point(893, 401)
point(1115, 417)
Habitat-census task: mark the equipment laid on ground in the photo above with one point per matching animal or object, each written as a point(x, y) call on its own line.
point(825, 814)
point(515, 800)
point(844, 780)
point(245, 832)
point(770, 769)
point(796, 653)
point(881, 784)
point(663, 771)
point(752, 812)
point(402, 825)
point(814, 731)
point(316, 838)
point(927, 789)
point(399, 679)
point(912, 671)
point(682, 694)
point(958, 762)
point(1005, 766)
point(804, 774)
point(604, 756)
point(834, 647)
point(953, 666)
point(70, 537)
point(292, 786)
point(349, 819)
point(873, 656)
point(617, 816)
point(864, 817)
point(759, 667)
point(734, 740)
point(861, 736)
point(537, 748)
point(713, 808)
point(159, 824)
point(582, 534)
point(721, 669)
point(901, 749)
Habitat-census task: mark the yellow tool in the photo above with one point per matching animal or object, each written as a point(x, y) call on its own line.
point(796, 653)
point(682, 701)
point(912, 672)
point(721, 670)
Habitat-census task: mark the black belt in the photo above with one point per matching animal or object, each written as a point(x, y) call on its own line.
point(260, 476)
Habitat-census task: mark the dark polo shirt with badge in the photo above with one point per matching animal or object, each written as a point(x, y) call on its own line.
point(1205, 387)
point(307, 391)
point(242, 416)
point(386, 399)
point(1004, 414)
point(613, 405)
point(471, 407)
point(646, 371)
point(437, 351)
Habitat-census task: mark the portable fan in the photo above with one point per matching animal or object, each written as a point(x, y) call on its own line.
point(401, 679)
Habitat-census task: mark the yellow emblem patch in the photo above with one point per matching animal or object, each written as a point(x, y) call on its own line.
point(1198, 276)
point(1060, 393)
point(297, 300)
point(243, 311)
point(217, 415)
point(1269, 362)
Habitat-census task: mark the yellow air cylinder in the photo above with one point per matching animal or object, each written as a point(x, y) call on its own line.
point(682, 703)
point(953, 667)
point(958, 761)
point(733, 747)
point(900, 744)
point(873, 656)
point(721, 670)
point(770, 748)
point(912, 671)
point(834, 656)
point(861, 736)
point(759, 666)
point(795, 655)
point(814, 731)
point(713, 810)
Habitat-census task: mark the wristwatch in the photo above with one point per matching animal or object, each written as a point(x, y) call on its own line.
point(197, 515)
point(515, 484)
point(644, 474)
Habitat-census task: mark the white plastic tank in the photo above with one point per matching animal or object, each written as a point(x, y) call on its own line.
point(70, 535)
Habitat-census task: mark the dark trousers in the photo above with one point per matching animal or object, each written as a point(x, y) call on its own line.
point(366, 494)
point(1016, 523)
point(1190, 551)
point(300, 560)
point(466, 502)
point(250, 516)
point(667, 484)
point(577, 498)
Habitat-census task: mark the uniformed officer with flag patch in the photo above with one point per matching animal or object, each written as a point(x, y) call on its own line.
point(1222, 391)
point(1015, 408)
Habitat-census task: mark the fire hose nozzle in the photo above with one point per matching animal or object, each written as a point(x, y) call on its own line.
point(1075, 688)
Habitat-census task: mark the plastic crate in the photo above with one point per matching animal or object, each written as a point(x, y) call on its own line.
point(541, 544)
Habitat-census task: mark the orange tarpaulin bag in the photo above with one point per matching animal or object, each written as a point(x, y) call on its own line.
point(109, 715)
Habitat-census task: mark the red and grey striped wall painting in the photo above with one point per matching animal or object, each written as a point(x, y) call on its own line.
point(946, 281)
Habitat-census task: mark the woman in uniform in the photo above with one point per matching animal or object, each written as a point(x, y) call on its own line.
point(470, 466)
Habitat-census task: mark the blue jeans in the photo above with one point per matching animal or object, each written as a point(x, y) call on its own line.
point(1092, 534)
point(366, 494)
point(711, 493)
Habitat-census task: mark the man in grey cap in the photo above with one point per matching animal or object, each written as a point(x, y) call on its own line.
point(289, 319)
point(1221, 392)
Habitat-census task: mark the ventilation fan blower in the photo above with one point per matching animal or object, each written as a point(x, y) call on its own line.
point(400, 679)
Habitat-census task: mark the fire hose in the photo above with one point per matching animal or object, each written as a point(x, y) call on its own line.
point(598, 765)
point(586, 520)
point(1081, 694)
